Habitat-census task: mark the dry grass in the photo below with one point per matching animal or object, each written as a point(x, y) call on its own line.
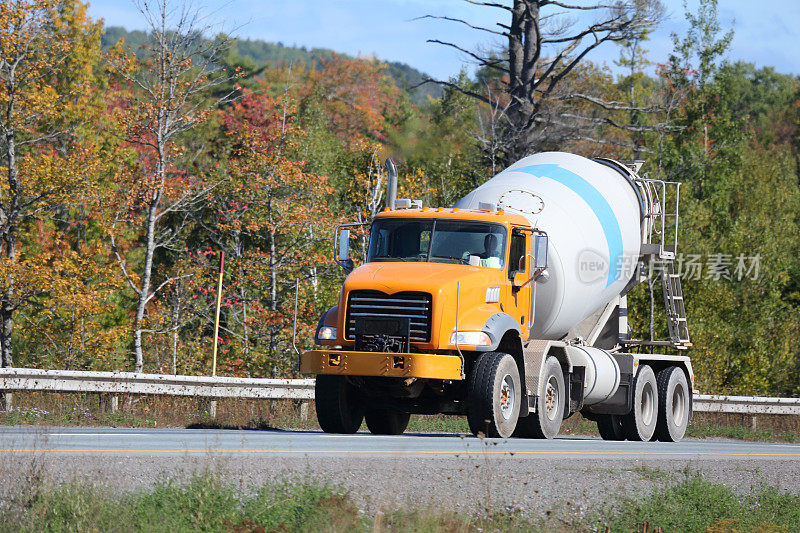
point(41, 408)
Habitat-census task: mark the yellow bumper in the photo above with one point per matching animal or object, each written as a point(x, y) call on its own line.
point(398, 365)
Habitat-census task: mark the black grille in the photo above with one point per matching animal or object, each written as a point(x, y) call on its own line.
point(375, 304)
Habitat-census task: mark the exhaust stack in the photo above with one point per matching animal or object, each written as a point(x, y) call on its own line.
point(391, 185)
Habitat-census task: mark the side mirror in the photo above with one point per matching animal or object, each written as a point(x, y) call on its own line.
point(540, 252)
point(344, 244)
point(344, 251)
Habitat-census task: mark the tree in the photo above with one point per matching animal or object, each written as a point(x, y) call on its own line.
point(48, 51)
point(541, 108)
point(739, 210)
point(269, 214)
point(163, 96)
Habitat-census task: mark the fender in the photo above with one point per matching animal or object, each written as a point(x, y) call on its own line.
point(504, 331)
point(496, 326)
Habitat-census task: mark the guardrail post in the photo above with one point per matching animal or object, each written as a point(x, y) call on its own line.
point(209, 407)
point(6, 401)
point(304, 411)
point(109, 403)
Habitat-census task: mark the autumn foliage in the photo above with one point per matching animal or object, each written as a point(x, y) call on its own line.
point(126, 172)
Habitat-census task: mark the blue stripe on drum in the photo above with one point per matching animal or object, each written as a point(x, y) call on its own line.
point(597, 203)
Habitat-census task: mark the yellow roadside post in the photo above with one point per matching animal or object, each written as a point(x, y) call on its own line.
point(216, 318)
point(212, 405)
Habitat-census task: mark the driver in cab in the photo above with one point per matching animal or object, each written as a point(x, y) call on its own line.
point(491, 252)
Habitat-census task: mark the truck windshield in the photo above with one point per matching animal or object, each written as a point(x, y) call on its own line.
point(437, 241)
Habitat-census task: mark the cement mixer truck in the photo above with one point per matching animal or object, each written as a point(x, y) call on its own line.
point(510, 308)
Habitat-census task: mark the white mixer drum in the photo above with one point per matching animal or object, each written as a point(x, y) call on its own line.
point(592, 216)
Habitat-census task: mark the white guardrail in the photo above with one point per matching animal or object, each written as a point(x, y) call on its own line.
point(116, 383)
point(750, 405)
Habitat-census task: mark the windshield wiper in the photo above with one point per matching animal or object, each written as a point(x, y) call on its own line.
point(459, 259)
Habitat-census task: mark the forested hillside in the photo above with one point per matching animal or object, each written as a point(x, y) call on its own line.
point(130, 160)
point(255, 55)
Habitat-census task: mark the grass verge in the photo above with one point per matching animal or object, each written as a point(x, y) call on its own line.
point(695, 505)
point(205, 503)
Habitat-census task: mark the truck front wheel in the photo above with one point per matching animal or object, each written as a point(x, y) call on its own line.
point(386, 422)
point(546, 421)
point(494, 395)
point(339, 406)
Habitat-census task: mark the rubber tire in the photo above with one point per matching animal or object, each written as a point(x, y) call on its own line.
point(640, 423)
point(339, 406)
point(384, 422)
point(670, 380)
point(610, 427)
point(484, 413)
point(537, 425)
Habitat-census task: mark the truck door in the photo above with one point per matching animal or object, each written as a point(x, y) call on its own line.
point(517, 301)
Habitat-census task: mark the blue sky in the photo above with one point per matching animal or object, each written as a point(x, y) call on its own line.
point(765, 31)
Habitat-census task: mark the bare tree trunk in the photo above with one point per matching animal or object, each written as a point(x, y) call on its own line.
point(245, 329)
point(147, 271)
point(7, 317)
point(7, 306)
point(273, 278)
point(176, 313)
point(537, 115)
point(238, 253)
point(313, 269)
point(9, 223)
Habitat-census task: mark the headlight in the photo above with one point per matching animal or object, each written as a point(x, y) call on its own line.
point(471, 338)
point(326, 333)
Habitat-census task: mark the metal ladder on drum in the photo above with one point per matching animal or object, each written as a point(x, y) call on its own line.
point(674, 306)
point(660, 244)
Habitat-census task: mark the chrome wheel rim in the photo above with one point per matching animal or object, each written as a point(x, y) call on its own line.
point(678, 405)
point(551, 399)
point(507, 397)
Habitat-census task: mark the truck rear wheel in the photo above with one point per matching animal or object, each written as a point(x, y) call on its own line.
point(494, 395)
point(610, 427)
point(673, 404)
point(640, 423)
point(339, 407)
point(385, 422)
point(546, 421)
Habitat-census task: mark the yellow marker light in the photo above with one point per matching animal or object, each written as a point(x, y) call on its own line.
point(471, 338)
point(326, 333)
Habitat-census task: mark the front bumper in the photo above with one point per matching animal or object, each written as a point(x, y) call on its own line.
point(397, 365)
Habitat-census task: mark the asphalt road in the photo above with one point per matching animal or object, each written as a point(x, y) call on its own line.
point(313, 443)
point(440, 471)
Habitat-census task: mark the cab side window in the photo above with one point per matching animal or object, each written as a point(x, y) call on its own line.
point(516, 253)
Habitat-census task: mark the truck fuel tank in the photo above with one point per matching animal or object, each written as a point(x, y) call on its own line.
point(602, 372)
